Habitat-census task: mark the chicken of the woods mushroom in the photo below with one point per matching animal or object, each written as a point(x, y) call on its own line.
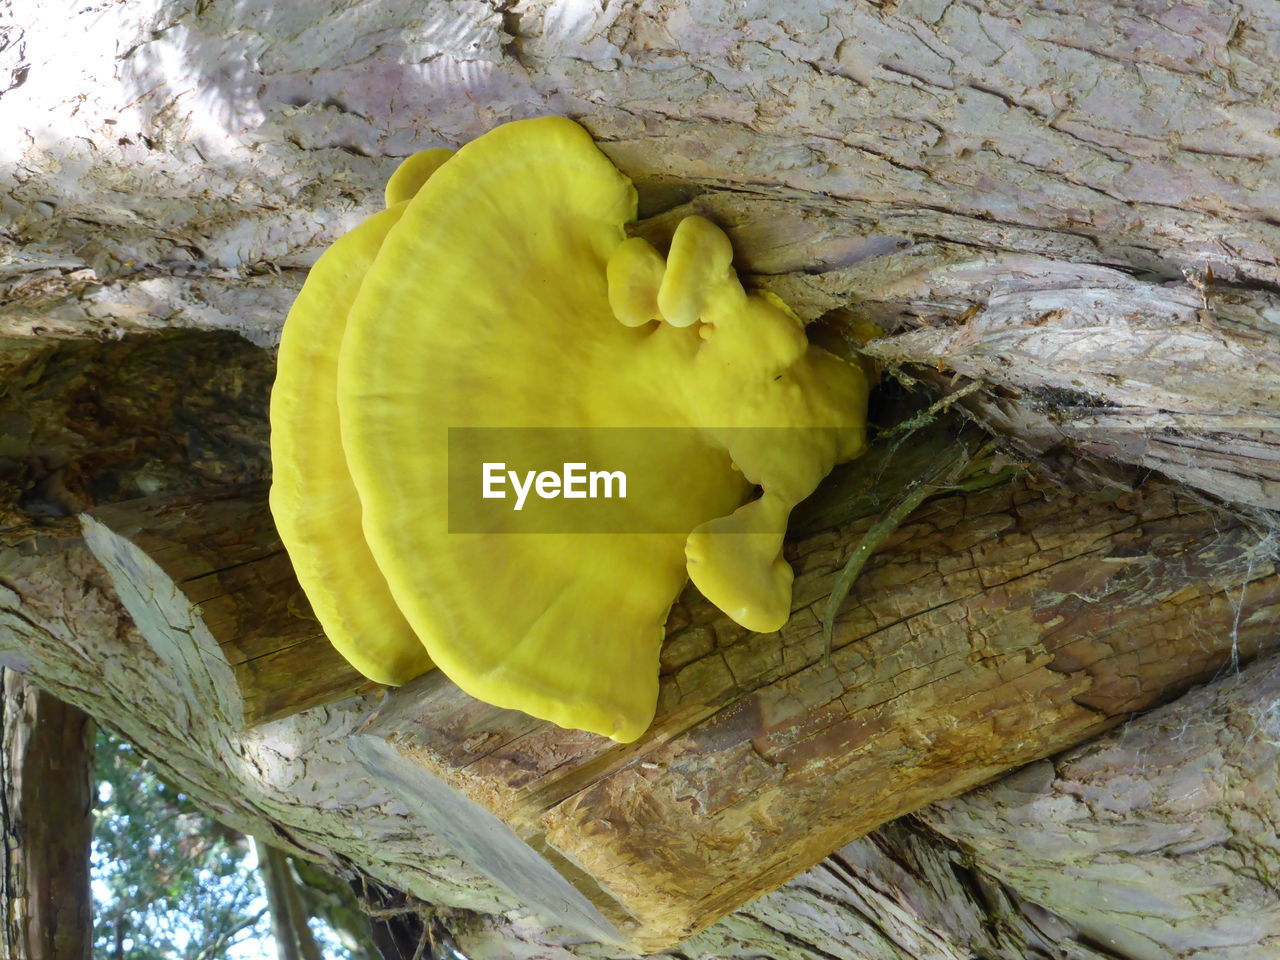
point(499, 300)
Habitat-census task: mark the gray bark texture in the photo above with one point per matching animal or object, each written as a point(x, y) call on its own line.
point(1150, 839)
point(1077, 204)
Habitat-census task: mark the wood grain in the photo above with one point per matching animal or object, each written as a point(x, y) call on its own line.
point(209, 569)
point(995, 629)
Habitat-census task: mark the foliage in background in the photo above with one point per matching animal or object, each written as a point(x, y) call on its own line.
point(169, 883)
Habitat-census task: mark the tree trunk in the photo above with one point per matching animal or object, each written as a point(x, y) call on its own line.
point(294, 939)
point(1051, 170)
point(299, 780)
point(271, 864)
point(991, 652)
point(46, 812)
point(1076, 204)
point(334, 901)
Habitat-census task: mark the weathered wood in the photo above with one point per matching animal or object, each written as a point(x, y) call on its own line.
point(902, 893)
point(993, 630)
point(1084, 364)
point(209, 570)
point(294, 780)
point(876, 134)
point(298, 781)
point(46, 824)
point(87, 422)
point(1158, 839)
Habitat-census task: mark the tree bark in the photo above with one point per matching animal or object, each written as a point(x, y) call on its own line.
point(752, 730)
point(273, 867)
point(46, 812)
point(334, 900)
point(294, 781)
point(1075, 203)
point(293, 936)
point(85, 422)
point(1156, 840)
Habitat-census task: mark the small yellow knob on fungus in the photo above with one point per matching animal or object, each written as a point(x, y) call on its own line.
point(699, 270)
point(634, 274)
point(507, 296)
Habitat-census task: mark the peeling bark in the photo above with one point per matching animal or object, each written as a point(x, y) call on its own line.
point(1084, 362)
point(294, 781)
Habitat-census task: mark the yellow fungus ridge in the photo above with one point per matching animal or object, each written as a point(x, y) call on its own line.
point(313, 501)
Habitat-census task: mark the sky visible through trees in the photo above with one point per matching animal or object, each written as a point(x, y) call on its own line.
point(169, 883)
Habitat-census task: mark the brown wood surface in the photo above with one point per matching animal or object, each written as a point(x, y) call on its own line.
point(46, 823)
point(994, 629)
point(86, 422)
point(209, 568)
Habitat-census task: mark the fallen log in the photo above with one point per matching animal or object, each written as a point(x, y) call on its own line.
point(997, 627)
point(994, 629)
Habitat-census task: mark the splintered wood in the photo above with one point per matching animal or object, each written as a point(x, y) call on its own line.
point(206, 580)
point(995, 628)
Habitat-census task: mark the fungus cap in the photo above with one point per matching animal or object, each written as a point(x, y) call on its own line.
point(488, 307)
point(313, 501)
point(507, 297)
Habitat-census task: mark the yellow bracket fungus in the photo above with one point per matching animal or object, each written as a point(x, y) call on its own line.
point(313, 500)
point(506, 295)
